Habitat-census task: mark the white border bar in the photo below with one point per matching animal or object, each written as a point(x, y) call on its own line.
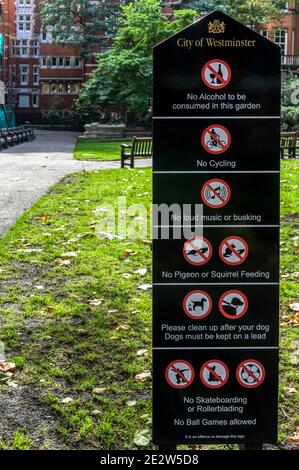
point(215, 226)
point(216, 283)
point(212, 172)
point(220, 347)
point(217, 117)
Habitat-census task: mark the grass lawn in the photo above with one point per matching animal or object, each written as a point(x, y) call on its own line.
point(93, 150)
point(78, 326)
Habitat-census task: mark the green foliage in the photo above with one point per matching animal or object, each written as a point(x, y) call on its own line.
point(249, 12)
point(290, 99)
point(290, 118)
point(79, 22)
point(21, 440)
point(124, 73)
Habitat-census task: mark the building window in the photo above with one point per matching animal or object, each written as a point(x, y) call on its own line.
point(60, 88)
point(23, 101)
point(77, 62)
point(24, 22)
point(265, 33)
point(35, 75)
point(75, 88)
point(24, 74)
point(12, 73)
point(36, 48)
point(67, 61)
point(61, 62)
point(25, 2)
point(53, 88)
point(24, 48)
point(35, 100)
point(281, 38)
point(45, 88)
point(54, 61)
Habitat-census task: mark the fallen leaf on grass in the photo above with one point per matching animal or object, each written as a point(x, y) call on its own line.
point(100, 210)
point(67, 400)
point(95, 302)
point(145, 287)
point(50, 308)
point(142, 352)
point(127, 275)
point(113, 338)
point(39, 287)
point(99, 391)
point(70, 254)
point(142, 438)
point(64, 262)
point(291, 390)
point(129, 252)
point(7, 366)
point(291, 319)
point(45, 219)
point(30, 250)
point(131, 403)
point(108, 235)
point(123, 327)
point(294, 439)
point(143, 376)
point(141, 272)
point(294, 307)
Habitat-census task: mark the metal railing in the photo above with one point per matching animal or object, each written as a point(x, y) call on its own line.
point(290, 60)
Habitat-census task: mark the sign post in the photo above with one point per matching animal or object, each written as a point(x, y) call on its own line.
point(216, 284)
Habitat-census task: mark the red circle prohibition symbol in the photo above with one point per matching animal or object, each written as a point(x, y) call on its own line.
point(208, 299)
point(220, 195)
point(200, 252)
point(245, 367)
point(214, 374)
point(211, 68)
point(179, 374)
point(236, 316)
point(216, 146)
point(229, 247)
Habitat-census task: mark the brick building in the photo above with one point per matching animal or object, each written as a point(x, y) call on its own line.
point(41, 76)
point(286, 34)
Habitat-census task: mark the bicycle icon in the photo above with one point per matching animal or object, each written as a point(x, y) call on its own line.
point(216, 139)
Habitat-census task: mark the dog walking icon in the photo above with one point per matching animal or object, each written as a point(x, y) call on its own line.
point(197, 304)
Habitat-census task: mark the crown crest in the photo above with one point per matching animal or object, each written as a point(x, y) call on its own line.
point(216, 27)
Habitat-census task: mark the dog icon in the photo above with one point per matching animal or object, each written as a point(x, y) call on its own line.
point(195, 304)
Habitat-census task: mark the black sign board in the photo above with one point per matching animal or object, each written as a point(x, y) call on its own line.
point(216, 235)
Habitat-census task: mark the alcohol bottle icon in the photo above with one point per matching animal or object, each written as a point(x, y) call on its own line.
point(220, 74)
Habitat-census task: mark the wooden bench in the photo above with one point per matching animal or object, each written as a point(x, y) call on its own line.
point(140, 147)
point(288, 144)
point(16, 135)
